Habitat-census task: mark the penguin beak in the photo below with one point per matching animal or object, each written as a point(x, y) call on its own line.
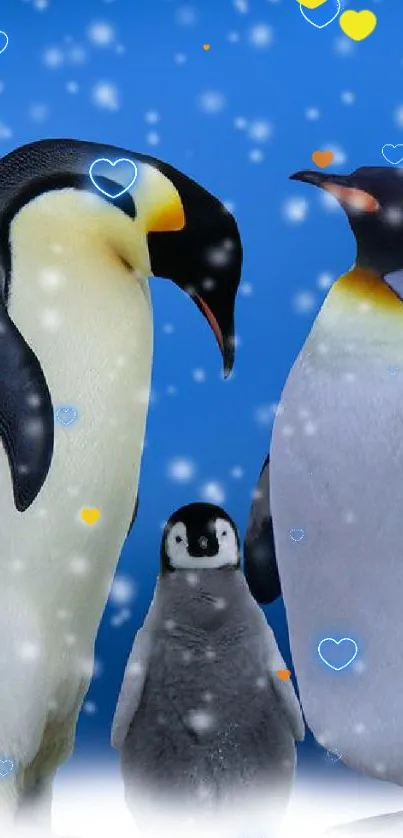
point(194, 241)
point(350, 195)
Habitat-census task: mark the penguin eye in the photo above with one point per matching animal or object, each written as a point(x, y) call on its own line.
point(178, 539)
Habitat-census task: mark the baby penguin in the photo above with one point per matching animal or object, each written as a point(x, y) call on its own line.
point(203, 721)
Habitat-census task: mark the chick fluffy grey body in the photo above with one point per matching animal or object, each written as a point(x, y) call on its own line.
point(214, 719)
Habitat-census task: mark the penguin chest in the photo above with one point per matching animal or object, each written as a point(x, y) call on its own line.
point(337, 500)
point(58, 557)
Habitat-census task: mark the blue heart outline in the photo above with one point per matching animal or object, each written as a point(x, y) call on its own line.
point(390, 145)
point(337, 642)
point(120, 160)
point(6, 44)
point(316, 25)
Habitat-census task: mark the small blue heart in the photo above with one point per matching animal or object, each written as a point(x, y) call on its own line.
point(122, 160)
point(3, 37)
point(297, 534)
point(345, 650)
point(66, 415)
point(6, 767)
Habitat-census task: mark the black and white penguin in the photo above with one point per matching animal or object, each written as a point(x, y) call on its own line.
point(204, 722)
point(76, 328)
point(325, 528)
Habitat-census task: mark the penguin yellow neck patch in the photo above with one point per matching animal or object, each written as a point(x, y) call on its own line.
point(369, 287)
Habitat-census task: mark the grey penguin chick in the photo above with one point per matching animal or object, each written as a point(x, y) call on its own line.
point(203, 720)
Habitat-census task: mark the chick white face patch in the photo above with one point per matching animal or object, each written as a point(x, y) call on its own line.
point(177, 548)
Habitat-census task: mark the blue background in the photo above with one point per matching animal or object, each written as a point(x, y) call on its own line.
point(317, 89)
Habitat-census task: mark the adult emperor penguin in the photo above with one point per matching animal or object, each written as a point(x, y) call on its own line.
point(76, 329)
point(330, 537)
point(204, 722)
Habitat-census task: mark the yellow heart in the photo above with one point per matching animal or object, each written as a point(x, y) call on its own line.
point(358, 25)
point(311, 4)
point(90, 516)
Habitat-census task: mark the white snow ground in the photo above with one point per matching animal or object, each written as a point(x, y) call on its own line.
point(89, 807)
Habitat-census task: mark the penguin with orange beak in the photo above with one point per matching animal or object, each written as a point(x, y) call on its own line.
point(76, 327)
point(325, 527)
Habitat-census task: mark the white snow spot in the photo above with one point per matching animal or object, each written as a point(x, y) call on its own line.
point(169, 625)
point(241, 6)
point(265, 413)
point(5, 132)
point(53, 57)
point(200, 720)
point(152, 117)
point(186, 16)
point(312, 114)
point(192, 579)
point(213, 492)
point(51, 319)
point(199, 375)
point(80, 566)
point(123, 590)
point(77, 55)
point(28, 651)
point(152, 138)
point(51, 278)
point(38, 112)
point(101, 34)
point(325, 280)
point(256, 155)
point(237, 472)
point(135, 669)
point(212, 101)
point(295, 210)
point(260, 130)
point(348, 97)
point(304, 302)
point(181, 470)
point(106, 95)
point(261, 35)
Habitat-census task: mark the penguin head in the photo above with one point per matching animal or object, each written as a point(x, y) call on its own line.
point(372, 198)
point(163, 224)
point(200, 536)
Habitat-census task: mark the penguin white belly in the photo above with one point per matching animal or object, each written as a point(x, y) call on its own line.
point(90, 324)
point(337, 500)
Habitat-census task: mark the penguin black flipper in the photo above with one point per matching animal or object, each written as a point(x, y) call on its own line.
point(26, 414)
point(260, 564)
point(134, 516)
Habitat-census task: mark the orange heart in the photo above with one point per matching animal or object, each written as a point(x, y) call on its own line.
point(206, 46)
point(283, 674)
point(322, 158)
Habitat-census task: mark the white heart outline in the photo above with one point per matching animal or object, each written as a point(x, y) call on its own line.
point(323, 24)
point(297, 530)
point(337, 642)
point(3, 762)
point(121, 160)
point(390, 145)
point(6, 44)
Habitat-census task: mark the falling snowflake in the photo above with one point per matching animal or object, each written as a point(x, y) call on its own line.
point(105, 95)
point(181, 470)
point(101, 34)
